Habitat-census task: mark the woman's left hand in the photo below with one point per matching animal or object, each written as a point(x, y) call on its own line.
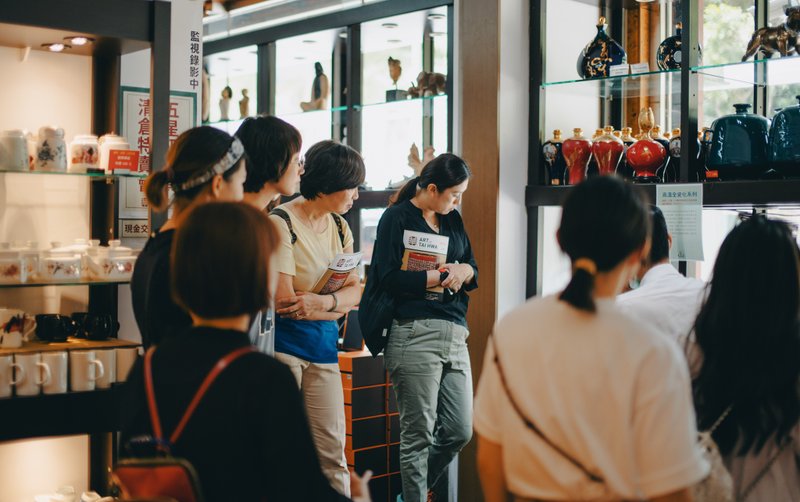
point(458, 274)
point(300, 306)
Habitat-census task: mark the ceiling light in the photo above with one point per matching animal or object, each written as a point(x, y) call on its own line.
point(389, 26)
point(57, 47)
point(79, 40)
point(223, 58)
point(343, 34)
point(436, 17)
point(299, 58)
point(394, 41)
point(309, 42)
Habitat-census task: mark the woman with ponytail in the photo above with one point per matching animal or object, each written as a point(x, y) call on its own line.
point(577, 401)
point(204, 164)
point(426, 353)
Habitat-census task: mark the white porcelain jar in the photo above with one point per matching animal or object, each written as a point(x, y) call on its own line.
point(51, 150)
point(13, 150)
point(60, 264)
point(83, 153)
point(12, 267)
point(110, 142)
point(114, 262)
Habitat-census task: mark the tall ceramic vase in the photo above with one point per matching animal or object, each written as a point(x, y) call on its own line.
point(554, 159)
point(577, 151)
point(607, 151)
point(646, 156)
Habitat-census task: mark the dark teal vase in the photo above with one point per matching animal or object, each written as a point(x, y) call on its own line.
point(600, 54)
point(784, 141)
point(738, 148)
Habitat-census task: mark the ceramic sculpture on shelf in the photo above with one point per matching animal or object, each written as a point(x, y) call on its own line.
point(244, 105)
point(225, 103)
point(783, 39)
point(577, 150)
point(599, 55)
point(428, 84)
point(646, 156)
point(319, 91)
point(395, 70)
point(607, 150)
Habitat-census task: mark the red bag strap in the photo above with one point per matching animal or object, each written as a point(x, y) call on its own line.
point(223, 363)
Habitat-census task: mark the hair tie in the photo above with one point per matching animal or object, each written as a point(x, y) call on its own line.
point(223, 165)
point(586, 264)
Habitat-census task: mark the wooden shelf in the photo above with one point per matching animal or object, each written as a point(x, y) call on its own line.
point(780, 193)
point(71, 344)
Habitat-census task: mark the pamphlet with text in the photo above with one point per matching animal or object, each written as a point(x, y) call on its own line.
point(336, 275)
point(424, 251)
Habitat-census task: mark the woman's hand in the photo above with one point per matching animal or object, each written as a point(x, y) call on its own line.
point(458, 274)
point(359, 491)
point(302, 305)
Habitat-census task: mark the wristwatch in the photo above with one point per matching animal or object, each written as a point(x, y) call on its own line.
point(443, 276)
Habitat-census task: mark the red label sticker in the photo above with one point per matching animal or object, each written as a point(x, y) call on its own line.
point(712, 174)
point(123, 159)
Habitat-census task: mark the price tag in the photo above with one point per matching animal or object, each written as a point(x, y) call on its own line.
point(618, 70)
point(123, 160)
point(640, 68)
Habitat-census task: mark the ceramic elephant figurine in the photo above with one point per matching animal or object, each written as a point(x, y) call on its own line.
point(784, 39)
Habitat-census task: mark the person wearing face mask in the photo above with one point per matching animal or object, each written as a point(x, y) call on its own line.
point(426, 352)
point(306, 332)
point(204, 164)
point(274, 167)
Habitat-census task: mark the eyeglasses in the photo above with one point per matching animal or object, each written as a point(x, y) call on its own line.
point(301, 161)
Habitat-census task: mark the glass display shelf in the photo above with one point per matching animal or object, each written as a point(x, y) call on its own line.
point(311, 112)
point(77, 282)
point(761, 72)
point(428, 99)
point(127, 174)
point(652, 83)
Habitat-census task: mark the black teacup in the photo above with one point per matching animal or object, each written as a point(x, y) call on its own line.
point(100, 327)
point(80, 323)
point(54, 327)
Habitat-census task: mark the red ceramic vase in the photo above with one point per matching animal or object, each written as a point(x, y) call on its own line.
point(646, 156)
point(607, 150)
point(577, 151)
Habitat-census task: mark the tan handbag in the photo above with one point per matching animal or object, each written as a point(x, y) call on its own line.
point(718, 485)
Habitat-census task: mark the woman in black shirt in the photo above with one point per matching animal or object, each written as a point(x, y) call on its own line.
point(203, 164)
point(249, 438)
point(426, 353)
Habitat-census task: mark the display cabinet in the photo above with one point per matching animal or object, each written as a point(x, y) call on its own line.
point(693, 89)
point(111, 29)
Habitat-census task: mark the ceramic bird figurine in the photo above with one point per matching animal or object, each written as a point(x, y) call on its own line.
point(395, 70)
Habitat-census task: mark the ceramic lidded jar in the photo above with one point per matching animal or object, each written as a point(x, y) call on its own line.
point(577, 151)
point(83, 153)
point(554, 159)
point(646, 156)
point(13, 150)
point(112, 262)
point(607, 150)
point(12, 265)
point(739, 145)
point(110, 142)
point(668, 54)
point(784, 141)
point(51, 150)
point(597, 58)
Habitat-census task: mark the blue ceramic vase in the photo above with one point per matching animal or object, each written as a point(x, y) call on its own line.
point(738, 145)
point(668, 55)
point(784, 141)
point(554, 159)
point(597, 58)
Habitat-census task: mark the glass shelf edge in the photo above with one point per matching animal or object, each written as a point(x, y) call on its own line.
point(618, 78)
point(383, 103)
point(85, 175)
point(35, 284)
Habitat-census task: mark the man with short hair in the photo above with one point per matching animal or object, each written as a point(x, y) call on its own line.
point(665, 299)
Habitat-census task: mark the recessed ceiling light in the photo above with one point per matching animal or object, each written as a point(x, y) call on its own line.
point(394, 41)
point(299, 58)
point(79, 40)
point(389, 26)
point(309, 41)
point(343, 34)
point(437, 34)
point(436, 17)
point(222, 58)
point(57, 47)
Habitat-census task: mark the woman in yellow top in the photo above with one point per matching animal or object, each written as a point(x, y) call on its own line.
point(306, 332)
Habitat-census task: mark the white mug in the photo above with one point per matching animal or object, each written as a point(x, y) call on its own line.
point(108, 358)
point(82, 374)
point(126, 357)
point(57, 362)
point(7, 376)
point(32, 373)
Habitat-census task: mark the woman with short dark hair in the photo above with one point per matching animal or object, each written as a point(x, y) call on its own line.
point(248, 439)
point(745, 353)
point(306, 333)
point(426, 354)
point(204, 164)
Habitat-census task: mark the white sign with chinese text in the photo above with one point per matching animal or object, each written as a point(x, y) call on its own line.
point(137, 228)
point(682, 206)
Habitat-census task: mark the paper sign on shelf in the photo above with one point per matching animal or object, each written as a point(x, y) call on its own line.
point(618, 70)
point(640, 68)
point(123, 160)
point(682, 206)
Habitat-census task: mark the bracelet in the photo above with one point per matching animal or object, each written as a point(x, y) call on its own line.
point(335, 302)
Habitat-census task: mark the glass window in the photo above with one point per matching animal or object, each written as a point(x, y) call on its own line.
point(368, 231)
point(233, 95)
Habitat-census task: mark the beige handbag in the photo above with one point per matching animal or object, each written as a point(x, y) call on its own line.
point(718, 485)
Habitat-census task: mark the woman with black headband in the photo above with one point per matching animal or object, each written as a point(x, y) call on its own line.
point(204, 164)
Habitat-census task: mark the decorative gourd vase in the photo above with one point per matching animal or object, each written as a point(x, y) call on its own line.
point(665, 172)
point(646, 156)
point(624, 169)
point(592, 169)
point(577, 150)
point(597, 58)
point(607, 150)
point(554, 159)
point(668, 54)
point(739, 145)
point(784, 141)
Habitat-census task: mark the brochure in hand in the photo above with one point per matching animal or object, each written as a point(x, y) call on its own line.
point(424, 251)
point(336, 275)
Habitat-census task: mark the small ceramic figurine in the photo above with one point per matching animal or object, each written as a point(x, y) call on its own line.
point(395, 70)
point(319, 91)
point(244, 105)
point(428, 84)
point(225, 103)
point(784, 39)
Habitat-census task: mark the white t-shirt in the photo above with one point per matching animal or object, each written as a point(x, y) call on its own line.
point(665, 300)
point(613, 394)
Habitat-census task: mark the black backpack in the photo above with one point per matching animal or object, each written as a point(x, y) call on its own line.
point(375, 313)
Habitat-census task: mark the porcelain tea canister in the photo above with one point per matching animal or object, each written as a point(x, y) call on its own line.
point(51, 150)
point(12, 265)
point(13, 150)
point(738, 146)
point(110, 142)
point(113, 262)
point(83, 153)
point(784, 141)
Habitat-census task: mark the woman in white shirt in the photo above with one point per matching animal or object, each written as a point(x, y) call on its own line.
point(746, 360)
point(610, 399)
